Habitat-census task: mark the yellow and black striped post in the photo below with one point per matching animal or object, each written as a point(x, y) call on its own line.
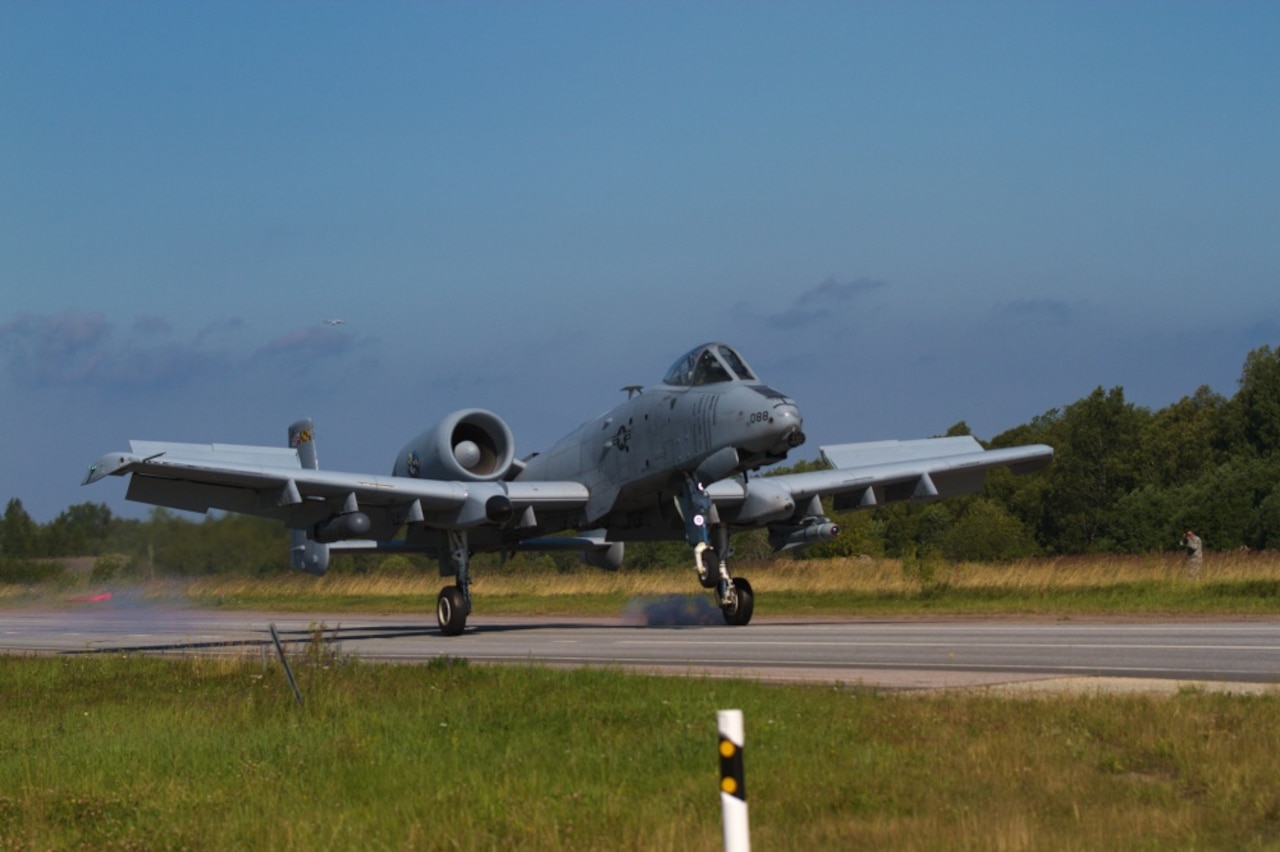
point(733, 783)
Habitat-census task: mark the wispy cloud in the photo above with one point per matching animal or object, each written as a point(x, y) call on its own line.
point(1055, 311)
point(817, 303)
point(64, 348)
point(307, 344)
point(219, 329)
point(78, 350)
point(151, 325)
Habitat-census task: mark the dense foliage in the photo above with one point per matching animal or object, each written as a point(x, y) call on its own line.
point(165, 543)
point(1125, 479)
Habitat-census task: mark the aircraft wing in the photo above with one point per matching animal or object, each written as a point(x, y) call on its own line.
point(271, 482)
point(864, 475)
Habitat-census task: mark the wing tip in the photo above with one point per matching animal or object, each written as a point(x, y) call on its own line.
point(112, 464)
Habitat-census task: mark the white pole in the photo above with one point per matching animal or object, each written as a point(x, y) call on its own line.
point(733, 787)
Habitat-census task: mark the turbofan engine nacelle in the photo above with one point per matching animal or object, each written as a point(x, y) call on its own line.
point(472, 445)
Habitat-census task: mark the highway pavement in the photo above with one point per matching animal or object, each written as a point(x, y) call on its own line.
point(891, 653)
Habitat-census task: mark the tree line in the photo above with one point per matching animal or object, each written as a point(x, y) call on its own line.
point(1125, 479)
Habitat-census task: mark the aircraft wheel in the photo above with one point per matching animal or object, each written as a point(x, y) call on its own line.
point(451, 611)
point(711, 579)
point(741, 613)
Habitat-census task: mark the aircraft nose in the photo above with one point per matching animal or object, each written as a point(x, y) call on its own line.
point(788, 425)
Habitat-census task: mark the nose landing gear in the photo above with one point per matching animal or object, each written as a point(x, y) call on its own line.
point(733, 595)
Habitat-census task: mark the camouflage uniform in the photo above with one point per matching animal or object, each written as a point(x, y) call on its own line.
point(1195, 553)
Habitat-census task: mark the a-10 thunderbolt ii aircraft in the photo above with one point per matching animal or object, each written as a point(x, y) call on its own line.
point(672, 461)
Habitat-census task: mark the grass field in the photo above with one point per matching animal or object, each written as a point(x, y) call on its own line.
point(136, 753)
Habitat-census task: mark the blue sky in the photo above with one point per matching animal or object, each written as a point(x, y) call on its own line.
point(904, 214)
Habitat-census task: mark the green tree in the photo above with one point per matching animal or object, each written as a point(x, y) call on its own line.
point(1026, 497)
point(1224, 506)
point(19, 535)
point(237, 544)
point(1097, 460)
point(656, 554)
point(80, 530)
point(910, 529)
point(1254, 412)
point(1182, 441)
point(1269, 520)
point(987, 532)
point(1150, 518)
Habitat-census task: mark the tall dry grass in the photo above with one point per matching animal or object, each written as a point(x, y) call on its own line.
point(1040, 574)
point(849, 578)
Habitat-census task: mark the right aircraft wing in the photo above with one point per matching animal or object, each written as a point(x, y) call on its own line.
point(870, 474)
point(271, 482)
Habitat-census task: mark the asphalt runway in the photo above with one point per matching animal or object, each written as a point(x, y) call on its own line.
point(892, 653)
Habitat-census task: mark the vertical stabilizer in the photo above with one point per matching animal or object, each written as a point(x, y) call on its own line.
point(302, 437)
point(305, 554)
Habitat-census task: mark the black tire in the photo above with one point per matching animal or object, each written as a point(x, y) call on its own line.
point(451, 611)
point(740, 614)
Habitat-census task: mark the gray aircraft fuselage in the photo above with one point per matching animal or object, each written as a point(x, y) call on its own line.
point(645, 446)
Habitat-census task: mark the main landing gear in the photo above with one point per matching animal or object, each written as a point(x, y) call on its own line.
point(733, 594)
point(454, 602)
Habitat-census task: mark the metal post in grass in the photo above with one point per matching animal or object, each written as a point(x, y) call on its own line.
point(288, 671)
point(733, 785)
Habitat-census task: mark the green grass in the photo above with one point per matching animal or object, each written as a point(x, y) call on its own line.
point(131, 752)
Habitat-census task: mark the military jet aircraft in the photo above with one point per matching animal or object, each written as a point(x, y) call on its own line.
point(672, 461)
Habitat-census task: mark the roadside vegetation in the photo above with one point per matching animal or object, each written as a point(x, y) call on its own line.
point(1125, 480)
point(1063, 587)
point(133, 752)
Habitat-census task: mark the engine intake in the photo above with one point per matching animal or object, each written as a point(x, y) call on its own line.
point(472, 445)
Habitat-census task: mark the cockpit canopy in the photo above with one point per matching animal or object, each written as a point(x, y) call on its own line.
point(708, 364)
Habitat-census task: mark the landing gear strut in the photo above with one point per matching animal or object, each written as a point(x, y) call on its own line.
point(733, 596)
point(454, 603)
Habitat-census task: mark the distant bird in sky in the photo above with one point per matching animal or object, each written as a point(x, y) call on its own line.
point(335, 322)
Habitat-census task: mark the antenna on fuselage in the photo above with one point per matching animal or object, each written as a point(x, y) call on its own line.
point(632, 390)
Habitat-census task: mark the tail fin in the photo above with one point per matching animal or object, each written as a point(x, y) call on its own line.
point(305, 554)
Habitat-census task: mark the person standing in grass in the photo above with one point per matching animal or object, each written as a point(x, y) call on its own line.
point(1194, 549)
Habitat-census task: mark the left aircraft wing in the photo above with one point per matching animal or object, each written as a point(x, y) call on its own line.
point(865, 475)
point(272, 482)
